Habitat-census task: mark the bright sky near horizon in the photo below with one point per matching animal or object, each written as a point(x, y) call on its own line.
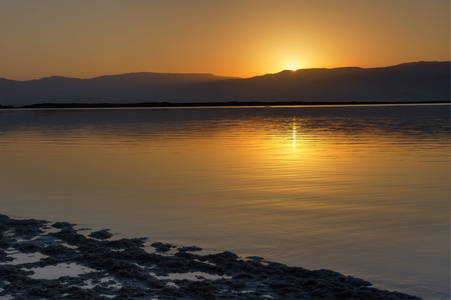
point(243, 38)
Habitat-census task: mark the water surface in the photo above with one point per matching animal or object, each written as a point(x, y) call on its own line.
point(362, 190)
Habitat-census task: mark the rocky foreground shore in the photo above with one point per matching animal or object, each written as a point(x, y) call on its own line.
point(43, 260)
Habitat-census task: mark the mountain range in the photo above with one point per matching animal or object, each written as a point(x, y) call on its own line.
point(409, 82)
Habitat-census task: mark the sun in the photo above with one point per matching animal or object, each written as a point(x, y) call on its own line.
point(293, 66)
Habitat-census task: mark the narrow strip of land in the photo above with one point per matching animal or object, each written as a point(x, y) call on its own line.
point(209, 104)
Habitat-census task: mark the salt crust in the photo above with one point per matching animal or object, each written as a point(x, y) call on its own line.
point(39, 260)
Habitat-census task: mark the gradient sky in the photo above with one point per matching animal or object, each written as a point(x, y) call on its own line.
point(87, 38)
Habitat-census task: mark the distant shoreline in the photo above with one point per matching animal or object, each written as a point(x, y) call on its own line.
point(409, 82)
point(210, 104)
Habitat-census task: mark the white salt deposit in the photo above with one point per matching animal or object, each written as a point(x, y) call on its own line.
point(60, 270)
point(194, 276)
point(22, 258)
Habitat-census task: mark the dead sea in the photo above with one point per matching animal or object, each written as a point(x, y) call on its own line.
point(361, 190)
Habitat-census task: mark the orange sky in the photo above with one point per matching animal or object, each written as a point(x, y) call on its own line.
point(87, 38)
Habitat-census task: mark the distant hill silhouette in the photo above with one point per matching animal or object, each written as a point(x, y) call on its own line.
point(410, 82)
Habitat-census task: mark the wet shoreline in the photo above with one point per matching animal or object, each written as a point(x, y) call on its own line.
point(44, 260)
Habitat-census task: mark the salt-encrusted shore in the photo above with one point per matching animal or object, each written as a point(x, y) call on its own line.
point(43, 260)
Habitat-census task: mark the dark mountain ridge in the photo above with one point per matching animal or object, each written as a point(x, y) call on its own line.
point(409, 82)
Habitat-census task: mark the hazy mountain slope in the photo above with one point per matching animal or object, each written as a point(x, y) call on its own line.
point(406, 82)
point(125, 88)
point(421, 81)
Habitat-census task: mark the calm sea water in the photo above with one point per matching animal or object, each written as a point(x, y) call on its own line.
point(362, 190)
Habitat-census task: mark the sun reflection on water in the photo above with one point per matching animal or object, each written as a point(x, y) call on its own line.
point(286, 184)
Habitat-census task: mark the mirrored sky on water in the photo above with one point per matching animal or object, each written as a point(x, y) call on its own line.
point(362, 190)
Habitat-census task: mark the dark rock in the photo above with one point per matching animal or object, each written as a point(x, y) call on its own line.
point(57, 250)
point(131, 292)
point(126, 243)
point(161, 247)
point(130, 266)
point(255, 258)
point(28, 247)
point(101, 234)
point(198, 289)
point(189, 249)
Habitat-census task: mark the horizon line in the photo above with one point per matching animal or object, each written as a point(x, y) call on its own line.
point(228, 76)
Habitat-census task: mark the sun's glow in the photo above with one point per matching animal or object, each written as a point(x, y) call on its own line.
point(293, 66)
